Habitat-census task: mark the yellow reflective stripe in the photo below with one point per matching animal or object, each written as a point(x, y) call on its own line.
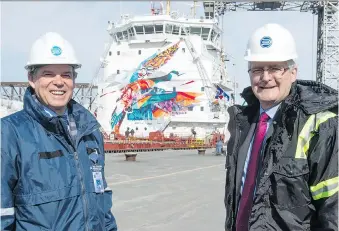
point(325, 188)
point(305, 136)
point(324, 184)
point(326, 194)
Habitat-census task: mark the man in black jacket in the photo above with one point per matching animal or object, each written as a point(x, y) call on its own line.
point(282, 156)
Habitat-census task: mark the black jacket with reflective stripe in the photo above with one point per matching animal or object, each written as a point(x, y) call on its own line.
point(297, 181)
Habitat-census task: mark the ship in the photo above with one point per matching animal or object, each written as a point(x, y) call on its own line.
point(164, 72)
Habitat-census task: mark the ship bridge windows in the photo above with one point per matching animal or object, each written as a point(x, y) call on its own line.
point(168, 28)
point(195, 30)
point(125, 34)
point(204, 33)
point(139, 29)
point(172, 29)
point(159, 29)
point(149, 29)
point(176, 30)
point(213, 34)
point(184, 30)
point(131, 32)
point(119, 35)
point(201, 31)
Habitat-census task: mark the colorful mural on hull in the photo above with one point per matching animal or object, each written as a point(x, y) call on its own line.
point(142, 99)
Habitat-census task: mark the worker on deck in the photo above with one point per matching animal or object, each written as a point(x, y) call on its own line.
point(219, 147)
point(52, 155)
point(282, 156)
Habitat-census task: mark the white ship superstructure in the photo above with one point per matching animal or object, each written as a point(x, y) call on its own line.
point(164, 72)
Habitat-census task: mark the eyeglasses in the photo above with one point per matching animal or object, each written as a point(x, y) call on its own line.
point(271, 70)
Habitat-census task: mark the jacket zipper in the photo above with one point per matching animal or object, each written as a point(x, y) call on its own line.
point(236, 141)
point(80, 173)
point(83, 192)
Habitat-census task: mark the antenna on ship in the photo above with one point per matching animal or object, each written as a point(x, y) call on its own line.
point(152, 8)
point(156, 11)
point(168, 7)
point(194, 5)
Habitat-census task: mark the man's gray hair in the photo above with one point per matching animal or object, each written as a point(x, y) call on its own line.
point(291, 64)
point(33, 70)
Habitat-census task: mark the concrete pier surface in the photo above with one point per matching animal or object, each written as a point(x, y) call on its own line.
point(168, 190)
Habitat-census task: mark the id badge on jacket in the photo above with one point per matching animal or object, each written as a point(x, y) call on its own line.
point(98, 182)
point(96, 172)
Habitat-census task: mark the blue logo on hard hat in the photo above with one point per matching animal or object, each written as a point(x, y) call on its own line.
point(266, 42)
point(56, 50)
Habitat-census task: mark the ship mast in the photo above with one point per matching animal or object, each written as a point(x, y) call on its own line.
point(194, 5)
point(168, 7)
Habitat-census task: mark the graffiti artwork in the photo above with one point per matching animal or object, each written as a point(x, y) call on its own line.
point(143, 99)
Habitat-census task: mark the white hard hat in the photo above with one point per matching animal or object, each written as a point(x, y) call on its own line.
point(272, 42)
point(51, 48)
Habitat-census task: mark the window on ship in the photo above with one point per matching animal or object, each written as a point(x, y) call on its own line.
point(139, 29)
point(119, 35)
point(195, 30)
point(184, 30)
point(130, 32)
point(205, 32)
point(149, 29)
point(159, 29)
point(213, 34)
point(168, 28)
point(125, 34)
point(176, 30)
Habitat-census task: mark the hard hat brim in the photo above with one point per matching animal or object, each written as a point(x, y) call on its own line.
point(28, 66)
point(269, 58)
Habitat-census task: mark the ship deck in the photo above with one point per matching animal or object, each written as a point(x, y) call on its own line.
point(167, 190)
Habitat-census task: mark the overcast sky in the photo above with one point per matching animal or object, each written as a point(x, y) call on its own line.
point(84, 24)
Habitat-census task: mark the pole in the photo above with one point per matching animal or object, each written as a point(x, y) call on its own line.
point(194, 5)
point(168, 7)
point(234, 83)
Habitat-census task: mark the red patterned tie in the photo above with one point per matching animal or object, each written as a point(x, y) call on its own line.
point(246, 199)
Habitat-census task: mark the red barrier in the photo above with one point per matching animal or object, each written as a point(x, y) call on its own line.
point(157, 142)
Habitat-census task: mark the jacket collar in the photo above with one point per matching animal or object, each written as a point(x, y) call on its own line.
point(310, 96)
point(85, 121)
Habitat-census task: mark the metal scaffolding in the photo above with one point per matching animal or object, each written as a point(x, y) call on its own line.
point(327, 35)
point(16, 90)
point(328, 44)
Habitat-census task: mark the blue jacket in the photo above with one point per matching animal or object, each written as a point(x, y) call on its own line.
point(46, 175)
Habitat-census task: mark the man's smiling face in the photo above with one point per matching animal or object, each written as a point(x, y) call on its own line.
point(271, 81)
point(53, 85)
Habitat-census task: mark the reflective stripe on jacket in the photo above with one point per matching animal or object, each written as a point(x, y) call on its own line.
point(297, 181)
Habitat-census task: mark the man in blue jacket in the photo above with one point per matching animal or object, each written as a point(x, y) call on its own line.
point(52, 156)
